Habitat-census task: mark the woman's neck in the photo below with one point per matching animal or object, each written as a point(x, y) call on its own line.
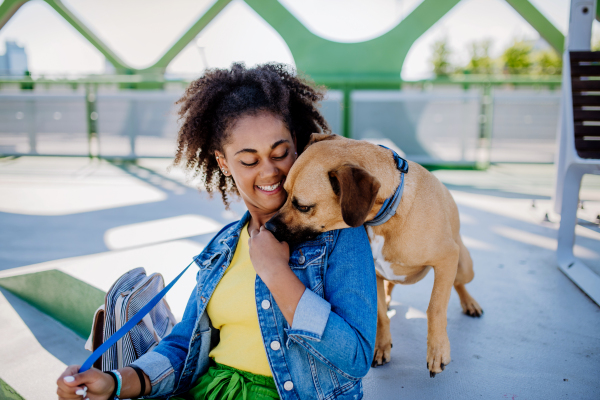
point(258, 219)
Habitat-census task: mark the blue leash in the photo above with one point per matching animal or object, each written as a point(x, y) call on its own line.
point(130, 324)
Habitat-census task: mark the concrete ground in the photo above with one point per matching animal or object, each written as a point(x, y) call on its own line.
point(70, 226)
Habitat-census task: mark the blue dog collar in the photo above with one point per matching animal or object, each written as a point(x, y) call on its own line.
point(388, 209)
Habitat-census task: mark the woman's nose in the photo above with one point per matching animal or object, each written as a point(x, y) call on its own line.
point(269, 169)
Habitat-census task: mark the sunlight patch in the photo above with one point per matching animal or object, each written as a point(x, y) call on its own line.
point(160, 230)
point(413, 313)
point(539, 240)
point(63, 186)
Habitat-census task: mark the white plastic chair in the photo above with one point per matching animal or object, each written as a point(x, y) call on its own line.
point(578, 147)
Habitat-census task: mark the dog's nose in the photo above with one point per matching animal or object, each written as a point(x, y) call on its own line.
point(270, 226)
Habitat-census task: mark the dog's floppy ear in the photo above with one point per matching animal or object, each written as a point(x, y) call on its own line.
point(317, 137)
point(357, 190)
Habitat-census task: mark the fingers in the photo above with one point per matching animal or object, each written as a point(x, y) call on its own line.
point(255, 232)
point(66, 382)
point(69, 372)
point(72, 393)
point(64, 395)
point(78, 379)
point(71, 385)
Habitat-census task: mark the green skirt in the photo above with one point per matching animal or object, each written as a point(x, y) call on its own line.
point(221, 382)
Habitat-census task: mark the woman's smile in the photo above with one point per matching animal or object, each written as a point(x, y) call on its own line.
point(271, 189)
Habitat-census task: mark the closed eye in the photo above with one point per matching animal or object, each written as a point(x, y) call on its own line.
point(278, 158)
point(282, 156)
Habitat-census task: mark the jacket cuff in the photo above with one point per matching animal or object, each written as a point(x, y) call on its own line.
point(159, 370)
point(310, 318)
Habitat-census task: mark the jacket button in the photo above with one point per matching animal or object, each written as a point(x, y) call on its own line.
point(275, 345)
point(265, 304)
point(288, 385)
point(301, 260)
point(203, 299)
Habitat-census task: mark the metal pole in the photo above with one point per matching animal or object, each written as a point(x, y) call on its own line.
point(133, 126)
point(92, 118)
point(485, 128)
point(31, 126)
point(347, 112)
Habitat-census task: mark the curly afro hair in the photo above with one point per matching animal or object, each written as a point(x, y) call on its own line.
point(212, 104)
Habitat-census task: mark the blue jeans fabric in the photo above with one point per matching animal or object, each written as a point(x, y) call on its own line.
point(328, 348)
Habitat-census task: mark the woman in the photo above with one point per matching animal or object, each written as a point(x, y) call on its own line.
point(263, 323)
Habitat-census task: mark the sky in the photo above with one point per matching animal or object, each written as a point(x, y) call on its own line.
point(140, 31)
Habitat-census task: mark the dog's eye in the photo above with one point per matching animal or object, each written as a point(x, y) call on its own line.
point(303, 209)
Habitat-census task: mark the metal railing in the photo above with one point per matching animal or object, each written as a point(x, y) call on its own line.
point(454, 121)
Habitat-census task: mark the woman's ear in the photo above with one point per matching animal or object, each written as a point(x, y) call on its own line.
point(295, 145)
point(222, 163)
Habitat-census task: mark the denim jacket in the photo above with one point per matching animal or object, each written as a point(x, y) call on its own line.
point(328, 348)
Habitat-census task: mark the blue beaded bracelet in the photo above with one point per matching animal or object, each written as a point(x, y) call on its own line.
point(114, 376)
point(119, 383)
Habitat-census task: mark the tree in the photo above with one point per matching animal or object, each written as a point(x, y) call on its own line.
point(440, 58)
point(517, 58)
point(548, 62)
point(480, 62)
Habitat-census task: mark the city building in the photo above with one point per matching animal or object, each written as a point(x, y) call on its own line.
point(14, 61)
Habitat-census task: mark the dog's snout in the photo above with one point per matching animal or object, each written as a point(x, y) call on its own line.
point(271, 226)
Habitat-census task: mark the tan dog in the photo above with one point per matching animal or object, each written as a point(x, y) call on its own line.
point(339, 182)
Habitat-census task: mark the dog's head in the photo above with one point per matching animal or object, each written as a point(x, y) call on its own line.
point(325, 192)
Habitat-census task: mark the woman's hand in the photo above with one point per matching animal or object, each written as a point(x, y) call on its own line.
point(92, 384)
point(269, 256)
point(270, 259)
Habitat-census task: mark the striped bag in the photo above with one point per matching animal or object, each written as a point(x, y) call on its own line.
point(125, 298)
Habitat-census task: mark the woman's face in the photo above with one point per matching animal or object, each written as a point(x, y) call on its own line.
point(258, 155)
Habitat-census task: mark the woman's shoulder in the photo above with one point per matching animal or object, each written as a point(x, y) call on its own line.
point(351, 234)
point(346, 237)
point(220, 242)
point(350, 240)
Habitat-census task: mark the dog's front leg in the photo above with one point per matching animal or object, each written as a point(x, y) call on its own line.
point(438, 345)
point(383, 341)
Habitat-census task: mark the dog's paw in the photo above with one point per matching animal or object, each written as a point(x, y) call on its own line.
point(438, 355)
point(472, 308)
point(382, 354)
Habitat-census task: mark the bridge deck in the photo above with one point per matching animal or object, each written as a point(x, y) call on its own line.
point(91, 221)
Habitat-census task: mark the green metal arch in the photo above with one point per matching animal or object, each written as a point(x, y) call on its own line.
point(382, 56)
point(378, 59)
point(538, 21)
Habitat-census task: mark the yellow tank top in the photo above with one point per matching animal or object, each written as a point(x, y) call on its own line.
point(232, 310)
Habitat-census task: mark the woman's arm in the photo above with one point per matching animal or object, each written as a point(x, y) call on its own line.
point(161, 366)
point(340, 328)
point(164, 364)
point(270, 260)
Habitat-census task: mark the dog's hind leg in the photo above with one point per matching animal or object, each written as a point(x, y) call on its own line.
point(383, 340)
point(464, 275)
